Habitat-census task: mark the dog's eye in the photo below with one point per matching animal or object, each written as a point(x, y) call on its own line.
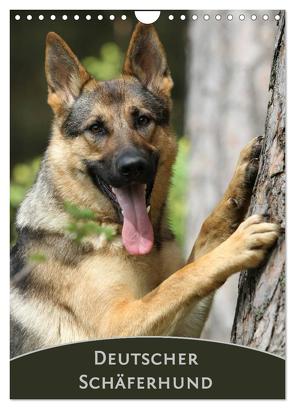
point(98, 128)
point(142, 120)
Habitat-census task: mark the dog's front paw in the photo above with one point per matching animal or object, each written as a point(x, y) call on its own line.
point(249, 161)
point(250, 243)
point(240, 188)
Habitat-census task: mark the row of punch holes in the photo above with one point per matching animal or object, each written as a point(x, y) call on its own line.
point(171, 17)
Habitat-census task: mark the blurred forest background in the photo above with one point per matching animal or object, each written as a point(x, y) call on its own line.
point(221, 73)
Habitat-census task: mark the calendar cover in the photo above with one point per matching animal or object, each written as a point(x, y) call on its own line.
point(147, 204)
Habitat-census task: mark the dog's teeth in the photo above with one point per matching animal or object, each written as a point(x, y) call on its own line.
point(148, 208)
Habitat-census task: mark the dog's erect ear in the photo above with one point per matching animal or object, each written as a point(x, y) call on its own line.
point(65, 75)
point(146, 60)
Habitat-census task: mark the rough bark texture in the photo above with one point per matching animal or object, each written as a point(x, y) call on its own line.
point(228, 76)
point(260, 314)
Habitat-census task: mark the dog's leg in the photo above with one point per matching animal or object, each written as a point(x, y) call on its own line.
point(224, 219)
point(231, 210)
point(163, 309)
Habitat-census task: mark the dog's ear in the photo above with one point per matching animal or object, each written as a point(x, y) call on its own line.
point(65, 75)
point(146, 60)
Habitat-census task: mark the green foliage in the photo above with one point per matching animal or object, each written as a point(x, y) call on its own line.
point(22, 178)
point(78, 213)
point(37, 258)
point(83, 224)
point(108, 65)
point(177, 208)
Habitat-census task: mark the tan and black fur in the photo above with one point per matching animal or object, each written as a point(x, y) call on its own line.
point(95, 289)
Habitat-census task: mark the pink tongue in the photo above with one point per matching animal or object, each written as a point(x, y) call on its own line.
point(137, 232)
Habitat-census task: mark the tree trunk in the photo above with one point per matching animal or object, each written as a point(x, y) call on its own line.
point(260, 313)
point(228, 77)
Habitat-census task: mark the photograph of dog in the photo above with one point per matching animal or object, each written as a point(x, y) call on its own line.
point(111, 151)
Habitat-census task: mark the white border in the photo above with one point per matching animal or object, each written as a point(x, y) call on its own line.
point(4, 186)
point(148, 5)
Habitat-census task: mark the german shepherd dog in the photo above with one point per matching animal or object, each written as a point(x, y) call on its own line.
point(112, 151)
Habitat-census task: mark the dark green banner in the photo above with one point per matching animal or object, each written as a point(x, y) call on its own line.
point(149, 368)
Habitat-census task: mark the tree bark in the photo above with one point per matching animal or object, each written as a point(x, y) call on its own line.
point(260, 313)
point(228, 76)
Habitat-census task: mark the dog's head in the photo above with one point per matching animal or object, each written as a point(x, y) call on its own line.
point(111, 143)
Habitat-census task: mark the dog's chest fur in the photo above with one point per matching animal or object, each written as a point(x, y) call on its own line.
point(139, 274)
point(59, 295)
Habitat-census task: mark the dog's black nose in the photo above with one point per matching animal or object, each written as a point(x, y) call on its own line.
point(133, 166)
